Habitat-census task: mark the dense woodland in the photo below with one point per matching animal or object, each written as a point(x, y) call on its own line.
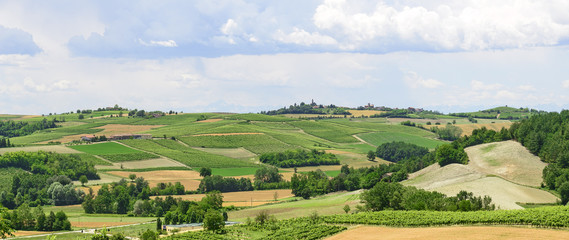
point(11, 128)
point(547, 136)
point(299, 158)
point(48, 181)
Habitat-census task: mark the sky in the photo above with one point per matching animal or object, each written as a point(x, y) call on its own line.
point(249, 56)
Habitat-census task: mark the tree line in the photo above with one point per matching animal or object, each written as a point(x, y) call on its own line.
point(394, 196)
point(24, 218)
point(265, 178)
point(299, 158)
point(547, 136)
point(312, 108)
point(12, 128)
point(5, 142)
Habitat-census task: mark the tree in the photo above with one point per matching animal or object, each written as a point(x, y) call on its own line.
point(5, 227)
point(158, 224)
point(347, 208)
point(213, 220)
point(564, 192)
point(149, 235)
point(83, 179)
point(132, 176)
point(204, 172)
point(370, 155)
point(213, 199)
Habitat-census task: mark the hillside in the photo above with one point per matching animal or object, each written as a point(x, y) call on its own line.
point(505, 171)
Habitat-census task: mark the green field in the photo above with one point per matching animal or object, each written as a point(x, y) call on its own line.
point(332, 173)
point(185, 155)
point(330, 130)
point(105, 148)
point(56, 133)
point(92, 159)
point(123, 157)
point(379, 138)
point(232, 172)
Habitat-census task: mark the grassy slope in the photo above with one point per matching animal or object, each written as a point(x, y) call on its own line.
point(379, 138)
point(104, 148)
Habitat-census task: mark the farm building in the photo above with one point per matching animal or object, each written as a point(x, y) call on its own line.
point(131, 136)
point(87, 138)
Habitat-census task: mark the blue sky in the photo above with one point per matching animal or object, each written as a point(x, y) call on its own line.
point(248, 56)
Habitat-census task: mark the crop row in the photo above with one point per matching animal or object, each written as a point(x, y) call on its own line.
point(542, 217)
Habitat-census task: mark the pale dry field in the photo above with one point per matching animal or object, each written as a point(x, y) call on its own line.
point(142, 164)
point(190, 179)
point(497, 126)
point(50, 148)
point(108, 130)
point(28, 233)
point(210, 120)
point(452, 232)
point(509, 160)
point(505, 171)
point(504, 194)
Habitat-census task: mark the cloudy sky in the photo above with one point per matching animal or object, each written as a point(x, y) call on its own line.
point(248, 56)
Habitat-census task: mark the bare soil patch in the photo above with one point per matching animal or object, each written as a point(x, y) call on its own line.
point(50, 148)
point(210, 120)
point(453, 232)
point(226, 134)
point(28, 233)
point(190, 179)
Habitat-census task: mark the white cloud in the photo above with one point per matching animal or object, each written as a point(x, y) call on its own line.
point(465, 25)
point(565, 84)
point(167, 43)
point(302, 37)
point(230, 27)
point(414, 80)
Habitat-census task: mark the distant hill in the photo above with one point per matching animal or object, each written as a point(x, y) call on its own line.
point(505, 112)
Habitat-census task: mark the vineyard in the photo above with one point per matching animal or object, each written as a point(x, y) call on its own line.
point(298, 228)
point(188, 156)
point(553, 217)
point(257, 143)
